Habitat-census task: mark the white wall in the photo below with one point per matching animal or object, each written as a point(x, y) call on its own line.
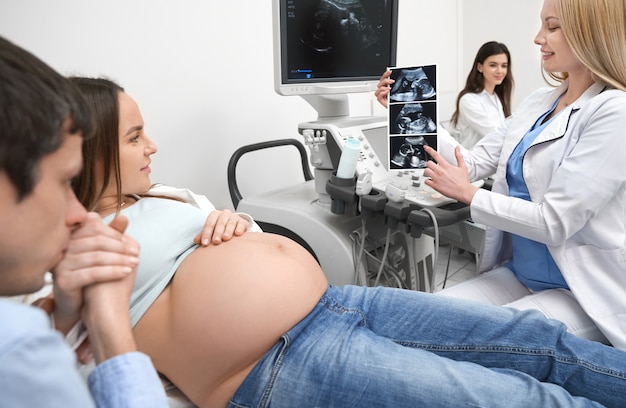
point(202, 71)
point(512, 22)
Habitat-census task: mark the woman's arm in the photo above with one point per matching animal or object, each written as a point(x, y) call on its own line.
point(571, 179)
point(577, 189)
point(220, 226)
point(481, 161)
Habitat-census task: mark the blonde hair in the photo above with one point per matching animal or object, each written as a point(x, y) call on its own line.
point(596, 33)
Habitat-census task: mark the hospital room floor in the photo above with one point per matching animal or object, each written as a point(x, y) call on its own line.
point(462, 267)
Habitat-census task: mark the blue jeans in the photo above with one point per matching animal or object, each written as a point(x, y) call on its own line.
point(382, 347)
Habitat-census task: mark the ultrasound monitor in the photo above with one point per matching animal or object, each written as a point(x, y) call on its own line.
point(327, 49)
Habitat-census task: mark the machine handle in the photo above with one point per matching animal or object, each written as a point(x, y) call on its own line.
point(446, 215)
point(233, 188)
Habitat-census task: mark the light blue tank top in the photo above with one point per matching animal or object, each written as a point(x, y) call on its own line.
point(532, 262)
point(165, 230)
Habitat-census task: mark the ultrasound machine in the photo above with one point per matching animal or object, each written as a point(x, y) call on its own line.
point(382, 226)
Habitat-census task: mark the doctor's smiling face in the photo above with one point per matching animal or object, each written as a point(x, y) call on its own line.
point(135, 148)
point(556, 52)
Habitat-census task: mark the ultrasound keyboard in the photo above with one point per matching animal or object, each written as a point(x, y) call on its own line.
point(408, 185)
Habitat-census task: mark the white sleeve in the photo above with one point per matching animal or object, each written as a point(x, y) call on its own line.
point(475, 115)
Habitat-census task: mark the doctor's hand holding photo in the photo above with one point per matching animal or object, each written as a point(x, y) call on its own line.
point(384, 88)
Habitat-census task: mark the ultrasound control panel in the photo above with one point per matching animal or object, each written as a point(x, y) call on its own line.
point(325, 141)
point(409, 185)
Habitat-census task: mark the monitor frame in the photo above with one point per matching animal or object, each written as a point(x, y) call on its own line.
point(327, 95)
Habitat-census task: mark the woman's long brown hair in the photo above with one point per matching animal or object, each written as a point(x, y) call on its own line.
point(476, 83)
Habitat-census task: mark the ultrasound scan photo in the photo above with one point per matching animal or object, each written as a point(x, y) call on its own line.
point(412, 84)
point(412, 118)
point(408, 152)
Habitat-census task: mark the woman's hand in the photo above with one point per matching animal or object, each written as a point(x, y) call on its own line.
point(105, 308)
point(384, 85)
point(221, 226)
point(451, 181)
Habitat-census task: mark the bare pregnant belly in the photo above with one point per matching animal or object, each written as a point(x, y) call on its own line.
point(226, 307)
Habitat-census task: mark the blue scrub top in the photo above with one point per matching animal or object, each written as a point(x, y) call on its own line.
point(531, 263)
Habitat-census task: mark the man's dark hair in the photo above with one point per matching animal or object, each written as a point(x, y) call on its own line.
point(35, 102)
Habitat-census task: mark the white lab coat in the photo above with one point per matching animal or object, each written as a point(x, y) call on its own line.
point(576, 176)
point(479, 114)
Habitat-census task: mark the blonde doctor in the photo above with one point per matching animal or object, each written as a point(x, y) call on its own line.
point(556, 214)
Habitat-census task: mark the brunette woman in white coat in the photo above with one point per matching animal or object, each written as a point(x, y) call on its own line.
point(485, 101)
point(556, 213)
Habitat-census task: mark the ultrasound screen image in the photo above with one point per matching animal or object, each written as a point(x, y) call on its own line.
point(336, 39)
